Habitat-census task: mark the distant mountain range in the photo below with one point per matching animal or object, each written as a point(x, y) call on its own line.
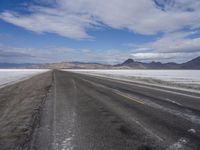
point(62, 65)
point(128, 64)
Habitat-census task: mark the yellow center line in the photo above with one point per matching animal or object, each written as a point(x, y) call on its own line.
point(128, 97)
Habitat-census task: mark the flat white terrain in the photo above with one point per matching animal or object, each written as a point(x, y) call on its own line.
point(9, 76)
point(176, 76)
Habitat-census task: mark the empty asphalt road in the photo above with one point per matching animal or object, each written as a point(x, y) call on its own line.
point(92, 113)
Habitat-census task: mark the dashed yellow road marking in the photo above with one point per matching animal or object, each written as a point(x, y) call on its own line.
point(117, 92)
point(128, 97)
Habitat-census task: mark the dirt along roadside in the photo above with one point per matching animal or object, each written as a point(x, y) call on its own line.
point(20, 106)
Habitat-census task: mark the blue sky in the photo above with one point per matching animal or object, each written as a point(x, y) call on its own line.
point(97, 31)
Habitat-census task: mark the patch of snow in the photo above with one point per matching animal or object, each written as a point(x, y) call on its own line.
point(66, 144)
point(179, 145)
point(192, 130)
point(9, 76)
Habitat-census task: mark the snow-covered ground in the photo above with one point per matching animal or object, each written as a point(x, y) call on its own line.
point(175, 76)
point(9, 76)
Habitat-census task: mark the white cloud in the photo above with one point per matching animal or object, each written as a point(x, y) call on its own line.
point(65, 25)
point(156, 56)
point(171, 47)
point(176, 42)
point(59, 54)
point(72, 18)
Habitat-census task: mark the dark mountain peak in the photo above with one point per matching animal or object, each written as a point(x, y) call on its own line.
point(128, 61)
point(195, 60)
point(192, 64)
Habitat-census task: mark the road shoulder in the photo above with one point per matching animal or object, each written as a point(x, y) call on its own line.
point(20, 106)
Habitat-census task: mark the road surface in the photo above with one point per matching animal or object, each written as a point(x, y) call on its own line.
point(84, 112)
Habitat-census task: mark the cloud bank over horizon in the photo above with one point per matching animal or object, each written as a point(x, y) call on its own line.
point(174, 24)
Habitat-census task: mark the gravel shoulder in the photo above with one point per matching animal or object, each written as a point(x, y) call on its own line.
point(20, 106)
